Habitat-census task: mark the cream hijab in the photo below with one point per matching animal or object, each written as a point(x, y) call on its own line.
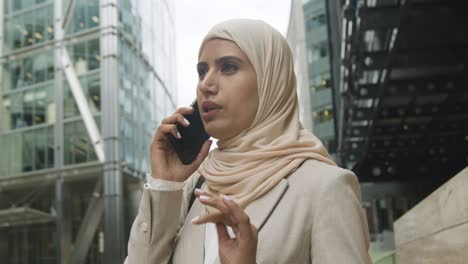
point(248, 165)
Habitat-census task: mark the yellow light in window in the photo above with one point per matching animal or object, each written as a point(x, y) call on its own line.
point(25, 32)
point(30, 40)
point(95, 98)
point(324, 82)
point(38, 35)
point(98, 58)
point(29, 75)
point(326, 113)
point(95, 19)
point(49, 29)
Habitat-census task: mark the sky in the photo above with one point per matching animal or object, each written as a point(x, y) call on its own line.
point(194, 18)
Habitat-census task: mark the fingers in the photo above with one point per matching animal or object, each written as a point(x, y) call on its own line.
point(247, 230)
point(222, 232)
point(168, 124)
point(176, 118)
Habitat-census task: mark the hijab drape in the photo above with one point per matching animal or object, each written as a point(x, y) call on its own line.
point(248, 165)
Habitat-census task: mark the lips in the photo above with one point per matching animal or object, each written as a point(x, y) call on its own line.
point(210, 109)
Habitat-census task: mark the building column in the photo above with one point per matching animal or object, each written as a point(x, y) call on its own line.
point(62, 195)
point(114, 235)
point(63, 220)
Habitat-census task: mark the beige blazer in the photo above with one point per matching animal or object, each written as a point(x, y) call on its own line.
point(312, 216)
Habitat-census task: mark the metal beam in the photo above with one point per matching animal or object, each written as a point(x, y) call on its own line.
point(68, 14)
point(377, 60)
point(82, 103)
point(88, 226)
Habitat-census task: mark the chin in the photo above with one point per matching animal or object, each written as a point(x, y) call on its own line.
point(219, 132)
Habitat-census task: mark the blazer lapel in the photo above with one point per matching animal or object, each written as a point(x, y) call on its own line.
point(260, 210)
point(192, 248)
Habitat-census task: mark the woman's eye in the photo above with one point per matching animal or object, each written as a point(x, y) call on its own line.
point(201, 73)
point(229, 67)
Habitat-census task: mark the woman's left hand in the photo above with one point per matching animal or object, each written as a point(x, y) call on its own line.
point(242, 248)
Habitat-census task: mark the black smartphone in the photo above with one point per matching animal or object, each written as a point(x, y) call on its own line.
point(192, 137)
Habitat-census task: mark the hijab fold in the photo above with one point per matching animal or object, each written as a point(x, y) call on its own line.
point(251, 163)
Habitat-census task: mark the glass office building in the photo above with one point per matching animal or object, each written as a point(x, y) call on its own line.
point(319, 71)
point(122, 53)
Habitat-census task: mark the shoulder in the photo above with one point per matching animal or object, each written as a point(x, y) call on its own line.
point(315, 177)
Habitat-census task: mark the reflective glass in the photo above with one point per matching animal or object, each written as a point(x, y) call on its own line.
point(77, 148)
point(90, 85)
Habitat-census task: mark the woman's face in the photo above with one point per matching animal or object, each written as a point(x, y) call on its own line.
point(227, 89)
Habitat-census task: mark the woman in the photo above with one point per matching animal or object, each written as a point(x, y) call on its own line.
point(272, 193)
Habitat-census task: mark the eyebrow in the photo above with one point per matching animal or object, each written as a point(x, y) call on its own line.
point(221, 60)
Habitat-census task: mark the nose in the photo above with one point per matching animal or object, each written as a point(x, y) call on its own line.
point(209, 84)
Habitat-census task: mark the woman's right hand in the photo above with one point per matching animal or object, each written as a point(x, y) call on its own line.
point(165, 164)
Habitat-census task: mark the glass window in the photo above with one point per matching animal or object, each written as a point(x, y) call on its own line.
point(315, 22)
point(28, 38)
point(17, 5)
point(16, 157)
point(79, 55)
point(78, 148)
point(6, 111)
point(93, 54)
point(40, 24)
point(17, 120)
point(91, 88)
point(318, 51)
point(28, 107)
point(324, 115)
point(44, 107)
point(18, 32)
point(49, 23)
point(28, 151)
point(85, 15)
point(7, 35)
point(28, 71)
point(42, 149)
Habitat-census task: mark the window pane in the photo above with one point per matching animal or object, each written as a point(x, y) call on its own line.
point(40, 24)
point(28, 151)
point(79, 55)
point(29, 27)
point(6, 111)
point(93, 54)
point(17, 111)
point(18, 32)
point(16, 157)
point(28, 107)
point(28, 75)
point(40, 106)
point(78, 148)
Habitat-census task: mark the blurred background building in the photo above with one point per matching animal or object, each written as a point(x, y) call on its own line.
point(309, 38)
point(392, 77)
point(63, 197)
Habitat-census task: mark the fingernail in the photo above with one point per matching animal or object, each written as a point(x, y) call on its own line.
point(204, 198)
point(178, 135)
point(195, 218)
point(186, 121)
point(226, 198)
point(198, 191)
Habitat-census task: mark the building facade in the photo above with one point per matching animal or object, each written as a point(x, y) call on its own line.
point(76, 205)
point(313, 41)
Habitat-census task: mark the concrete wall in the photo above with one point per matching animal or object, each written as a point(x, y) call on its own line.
point(436, 229)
